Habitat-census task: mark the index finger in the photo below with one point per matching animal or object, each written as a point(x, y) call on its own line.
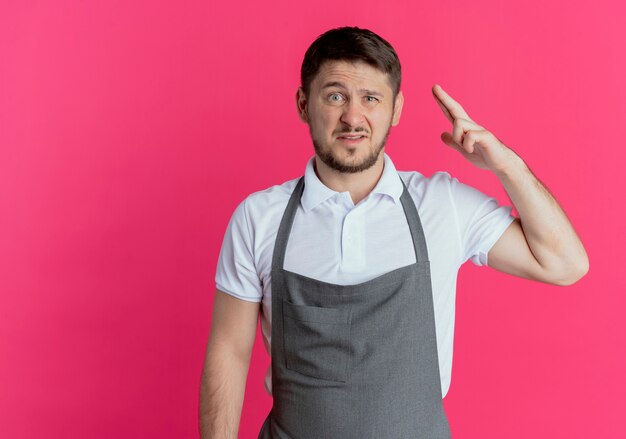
point(451, 108)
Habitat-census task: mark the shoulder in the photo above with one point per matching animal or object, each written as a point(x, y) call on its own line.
point(274, 195)
point(439, 184)
point(416, 180)
point(262, 206)
point(442, 186)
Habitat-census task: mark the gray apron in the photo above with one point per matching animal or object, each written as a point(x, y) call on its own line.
point(354, 361)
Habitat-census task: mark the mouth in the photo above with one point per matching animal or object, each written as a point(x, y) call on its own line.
point(351, 139)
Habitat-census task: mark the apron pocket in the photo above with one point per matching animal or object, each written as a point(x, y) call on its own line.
point(317, 340)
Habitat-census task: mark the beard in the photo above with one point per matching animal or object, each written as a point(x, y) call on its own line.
point(332, 161)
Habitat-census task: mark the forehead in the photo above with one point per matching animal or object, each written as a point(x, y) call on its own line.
point(357, 74)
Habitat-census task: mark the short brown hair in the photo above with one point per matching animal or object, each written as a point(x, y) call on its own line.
point(351, 44)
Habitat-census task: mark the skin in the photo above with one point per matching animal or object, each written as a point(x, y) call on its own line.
point(355, 98)
point(541, 244)
point(349, 98)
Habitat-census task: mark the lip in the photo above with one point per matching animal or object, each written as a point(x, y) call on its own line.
point(351, 139)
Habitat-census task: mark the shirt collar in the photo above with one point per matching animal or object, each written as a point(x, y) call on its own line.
point(316, 192)
point(389, 183)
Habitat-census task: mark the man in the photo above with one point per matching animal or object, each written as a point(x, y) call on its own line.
point(353, 266)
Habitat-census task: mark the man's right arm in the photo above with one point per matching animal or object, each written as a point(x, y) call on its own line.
point(233, 330)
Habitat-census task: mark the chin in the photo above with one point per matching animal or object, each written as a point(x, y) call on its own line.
point(350, 164)
point(348, 158)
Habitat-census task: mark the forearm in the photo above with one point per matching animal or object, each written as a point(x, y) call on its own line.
point(548, 232)
point(221, 395)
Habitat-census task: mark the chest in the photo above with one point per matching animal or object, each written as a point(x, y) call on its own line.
point(343, 245)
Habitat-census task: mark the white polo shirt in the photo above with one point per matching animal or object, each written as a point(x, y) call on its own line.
point(335, 241)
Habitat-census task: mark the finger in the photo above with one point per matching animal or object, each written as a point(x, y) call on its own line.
point(453, 107)
point(458, 131)
point(448, 140)
point(444, 109)
point(472, 137)
point(462, 126)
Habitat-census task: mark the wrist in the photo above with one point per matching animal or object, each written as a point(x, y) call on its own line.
point(514, 168)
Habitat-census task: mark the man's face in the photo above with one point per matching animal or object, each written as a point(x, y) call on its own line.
point(349, 110)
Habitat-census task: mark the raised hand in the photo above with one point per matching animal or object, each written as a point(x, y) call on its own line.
point(476, 144)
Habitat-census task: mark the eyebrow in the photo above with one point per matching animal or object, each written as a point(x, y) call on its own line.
point(362, 90)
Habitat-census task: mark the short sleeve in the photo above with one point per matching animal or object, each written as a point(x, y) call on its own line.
point(482, 220)
point(236, 273)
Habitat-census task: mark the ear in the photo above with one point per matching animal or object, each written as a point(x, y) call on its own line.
point(397, 110)
point(302, 104)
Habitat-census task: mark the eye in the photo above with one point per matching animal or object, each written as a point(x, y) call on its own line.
point(335, 97)
point(371, 99)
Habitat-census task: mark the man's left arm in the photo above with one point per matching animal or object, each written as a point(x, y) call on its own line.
point(541, 244)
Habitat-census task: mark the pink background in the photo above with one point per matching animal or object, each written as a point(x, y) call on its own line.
point(129, 133)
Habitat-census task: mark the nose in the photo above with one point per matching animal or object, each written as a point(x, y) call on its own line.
point(352, 114)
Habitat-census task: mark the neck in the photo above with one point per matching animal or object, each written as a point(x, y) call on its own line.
point(359, 184)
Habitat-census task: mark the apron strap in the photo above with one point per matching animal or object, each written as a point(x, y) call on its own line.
point(415, 225)
point(280, 247)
